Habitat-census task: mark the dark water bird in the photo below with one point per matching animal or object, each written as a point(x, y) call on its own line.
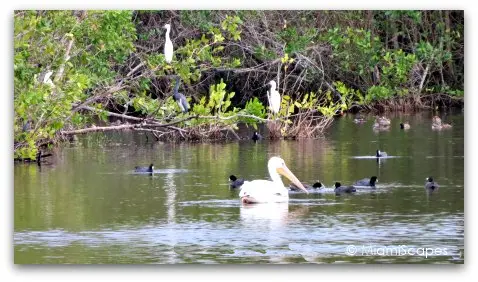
point(150, 168)
point(404, 126)
point(235, 182)
point(180, 98)
point(369, 182)
point(316, 185)
point(343, 189)
point(380, 154)
point(431, 185)
point(256, 136)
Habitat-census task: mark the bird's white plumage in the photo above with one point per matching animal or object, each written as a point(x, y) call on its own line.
point(265, 191)
point(168, 45)
point(181, 106)
point(47, 79)
point(274, 97)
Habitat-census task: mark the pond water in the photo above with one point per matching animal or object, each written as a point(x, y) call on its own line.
point(87, 205)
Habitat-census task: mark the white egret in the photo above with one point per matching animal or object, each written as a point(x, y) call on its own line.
point(274, 97)
point(265, 191)
point(168, 45)
point(47, 79)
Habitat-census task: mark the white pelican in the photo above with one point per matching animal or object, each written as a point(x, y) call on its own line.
point(265, 191)
point(168, 45)
point(274, 97)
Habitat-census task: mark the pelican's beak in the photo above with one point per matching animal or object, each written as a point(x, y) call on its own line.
point(287, 173)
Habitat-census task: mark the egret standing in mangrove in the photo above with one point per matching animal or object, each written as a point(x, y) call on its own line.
point(168, 45)
point(274, 97)
point(180, 98)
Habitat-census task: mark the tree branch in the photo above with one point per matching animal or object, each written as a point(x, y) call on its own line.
point(66, 58)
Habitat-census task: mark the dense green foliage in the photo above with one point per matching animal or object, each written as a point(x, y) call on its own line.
point(112, 62)
point(99, 42)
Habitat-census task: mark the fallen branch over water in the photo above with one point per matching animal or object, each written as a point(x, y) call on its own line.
point(234, 116)
point(99, 129)
point(188, 118)
point(305, 124)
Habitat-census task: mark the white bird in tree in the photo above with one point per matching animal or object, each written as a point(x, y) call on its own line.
point(168, 45)
point(47, 79)
point(274, 97)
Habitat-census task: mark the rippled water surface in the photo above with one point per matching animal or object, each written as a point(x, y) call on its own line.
point(87, 205)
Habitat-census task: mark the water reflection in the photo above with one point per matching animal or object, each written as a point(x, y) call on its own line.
point(265, 216)
point(89, 208)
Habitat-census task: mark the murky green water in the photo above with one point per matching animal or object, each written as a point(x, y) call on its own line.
point(88, 206)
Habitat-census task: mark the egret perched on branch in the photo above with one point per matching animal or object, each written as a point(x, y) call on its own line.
point(274, 97)
point(168, 45)
point(180, 98)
